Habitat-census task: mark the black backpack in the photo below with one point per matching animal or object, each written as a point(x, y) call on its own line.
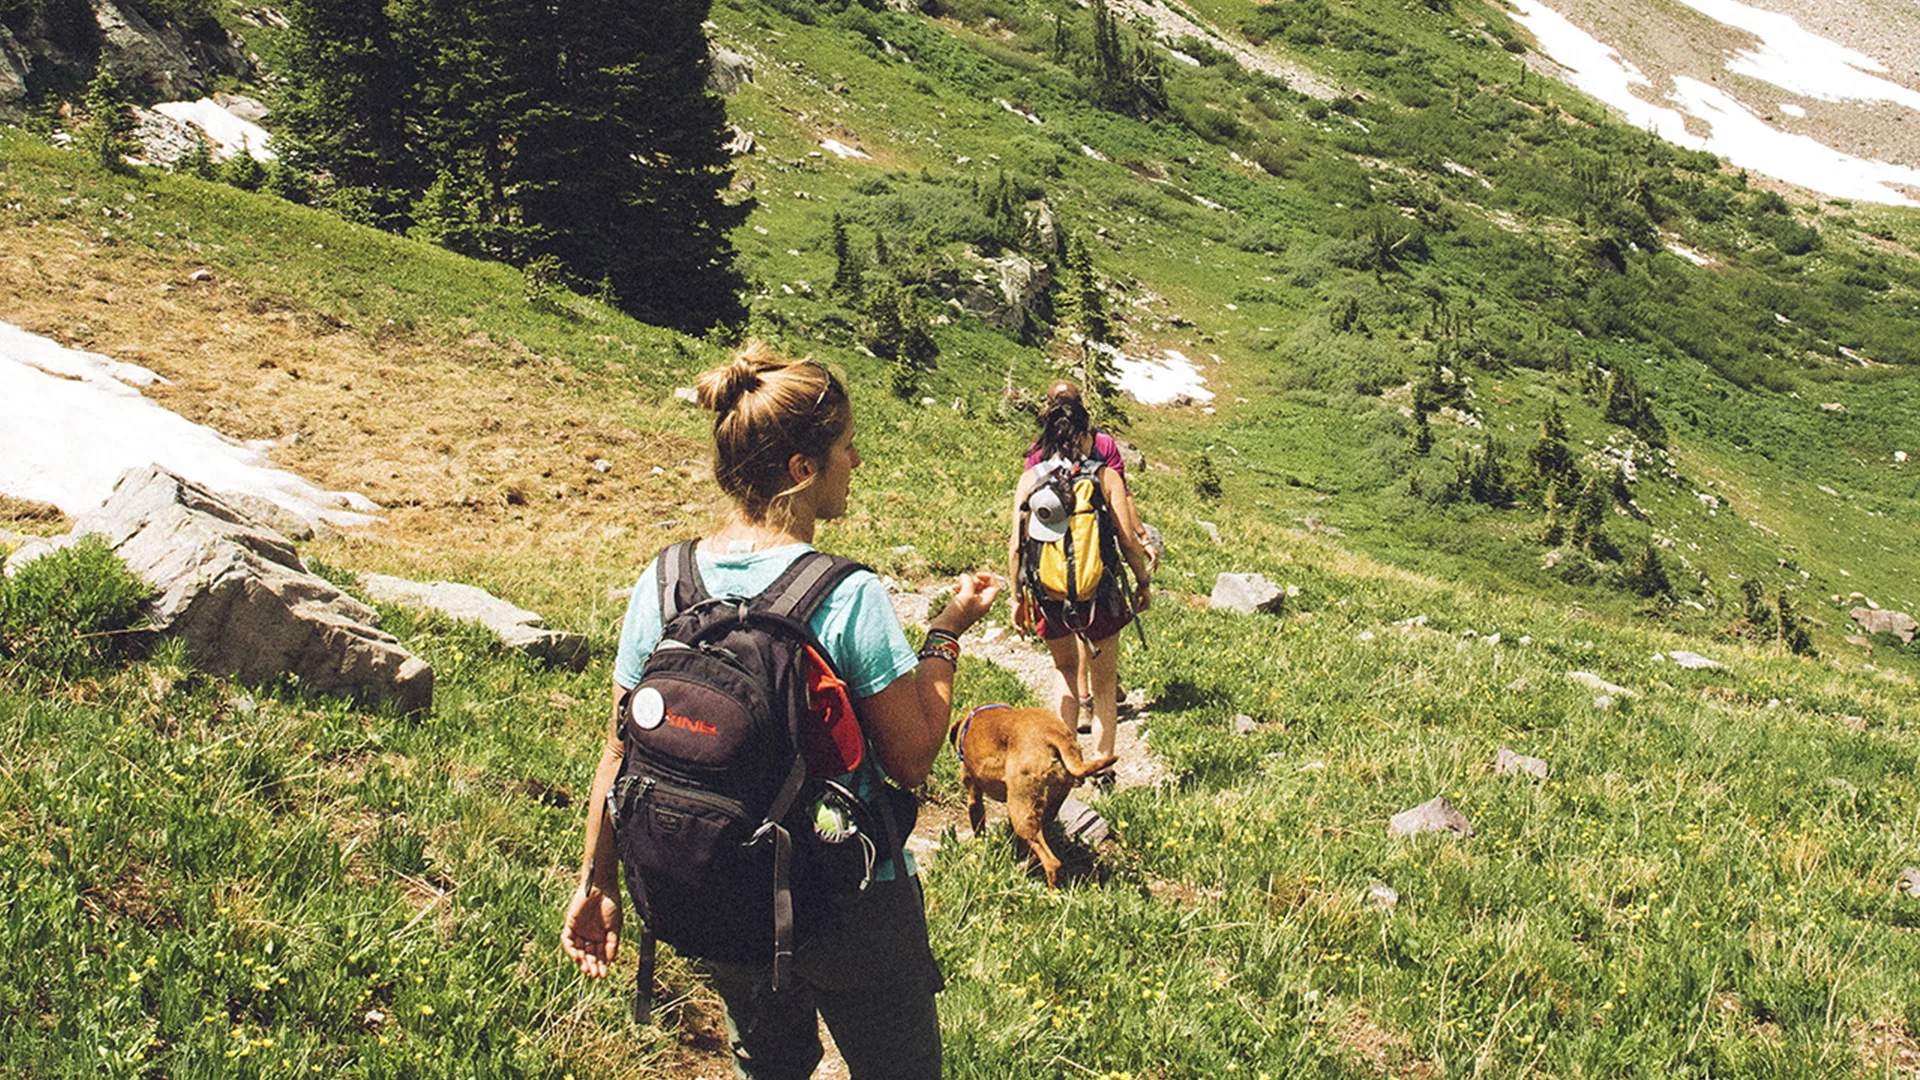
point(731, 850)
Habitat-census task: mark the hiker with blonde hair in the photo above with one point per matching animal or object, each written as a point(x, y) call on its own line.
point(784, 455)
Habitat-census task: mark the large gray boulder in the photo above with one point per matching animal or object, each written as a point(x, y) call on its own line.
point(1882, 621)
point(239, 596)
point(1434, 815)
point(1003, 291)
point(730, 71)
point(516, 627)
point(171, 60)
point(15, 64)
point(1246, 594)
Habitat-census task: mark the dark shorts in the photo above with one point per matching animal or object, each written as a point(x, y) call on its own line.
point(1109, 615)
point(868, 972)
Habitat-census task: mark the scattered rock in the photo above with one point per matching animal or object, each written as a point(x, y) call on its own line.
point(30, 548)
point(1886, 621)
point(1244, 724)
point(201, 275)
point(1212, 531)
point(1434, 815)
point(1595, 682)
point(516, 627)
point(239, 596)
point(1082, 823)
point(687, 394)
point(1382, 897)
point(1603, 702)
point(1246, 594)
point(912, 608)
point(1909, 882)
point(273, 515)
point(1693, 661)
point(1155, 542)
point(730, 71)
point(1506, 763)
point(1002, 291)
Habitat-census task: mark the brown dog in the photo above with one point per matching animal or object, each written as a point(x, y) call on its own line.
point(1026, 758)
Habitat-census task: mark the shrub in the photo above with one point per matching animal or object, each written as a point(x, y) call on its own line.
point(64, 613)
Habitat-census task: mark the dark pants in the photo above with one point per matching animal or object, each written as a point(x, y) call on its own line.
point(867, 971)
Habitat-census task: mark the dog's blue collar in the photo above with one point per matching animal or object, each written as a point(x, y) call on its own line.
point(960, 741)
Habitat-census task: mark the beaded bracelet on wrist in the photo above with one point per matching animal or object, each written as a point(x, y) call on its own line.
point(943, 645)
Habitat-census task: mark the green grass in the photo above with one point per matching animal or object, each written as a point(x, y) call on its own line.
point(210, 879)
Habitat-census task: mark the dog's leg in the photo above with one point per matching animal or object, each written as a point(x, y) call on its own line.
point(1028, 810)
point(976, 809)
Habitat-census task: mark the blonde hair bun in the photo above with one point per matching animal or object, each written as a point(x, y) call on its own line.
point(720, 389)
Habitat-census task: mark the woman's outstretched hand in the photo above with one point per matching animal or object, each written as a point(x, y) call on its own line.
point(590, 934)
point(975, 597)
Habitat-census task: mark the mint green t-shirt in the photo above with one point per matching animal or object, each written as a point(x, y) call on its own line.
point(856, 626)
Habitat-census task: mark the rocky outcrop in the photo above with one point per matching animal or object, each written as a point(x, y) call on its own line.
point(239, 596)
point(1434, 815)
point(1882, 621)
point(1247, 594)
point(730, 71)
point(155, 61)
point(1003, 291)
point(516, 627)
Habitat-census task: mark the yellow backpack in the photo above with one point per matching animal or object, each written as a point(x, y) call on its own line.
point(1070, 541)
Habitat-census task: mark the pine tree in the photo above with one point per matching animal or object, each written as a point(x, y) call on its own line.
point(1550, 459)
point(198, 160)
point(619, 163)
point(107, 134)
point(1082, 306)
point(846, 267)
point(344, 107)
point(244, 171)
point(1648, 576)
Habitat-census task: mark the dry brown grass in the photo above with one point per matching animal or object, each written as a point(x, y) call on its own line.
point(481, 452)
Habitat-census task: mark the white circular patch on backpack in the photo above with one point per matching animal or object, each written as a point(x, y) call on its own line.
point(648, 708)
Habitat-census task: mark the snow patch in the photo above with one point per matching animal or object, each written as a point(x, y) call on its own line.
point(843, 151)
point(1017, 111)
point(1688, 254)
point(75, 421)
point(229, 133)
point(1734, 131)
point(1167, 379)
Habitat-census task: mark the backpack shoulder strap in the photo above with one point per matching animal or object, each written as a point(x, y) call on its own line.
point(803, 586)
point(679, 578)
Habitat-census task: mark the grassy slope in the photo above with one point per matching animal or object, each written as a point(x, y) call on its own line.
point(1701, 887)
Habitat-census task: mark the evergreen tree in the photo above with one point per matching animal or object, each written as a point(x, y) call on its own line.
point(1005, 211)
point(107, 134)
point(1648, 576)
point(846, 267)
point(451, 213)
point(343, 107)
point(1586, 524)
point(1549, 458)
point(198, 160)
point(244, 171)
point(1631, 407)
point(619, 161)
point(1082, 306)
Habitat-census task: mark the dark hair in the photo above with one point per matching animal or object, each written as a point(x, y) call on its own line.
point(766, 409)
point(1063, 422)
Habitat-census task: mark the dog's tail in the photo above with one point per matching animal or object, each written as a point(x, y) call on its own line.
point(1079, 769)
